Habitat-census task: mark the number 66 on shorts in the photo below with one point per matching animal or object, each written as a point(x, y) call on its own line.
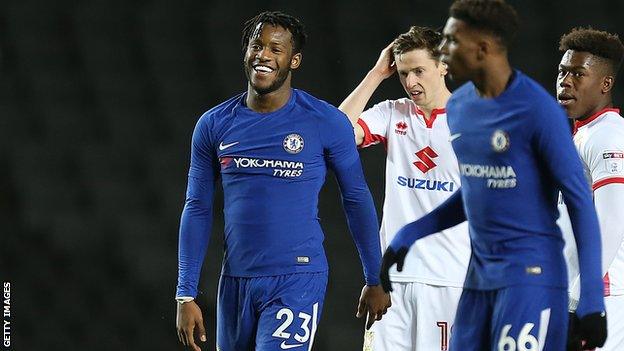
point(514, 318)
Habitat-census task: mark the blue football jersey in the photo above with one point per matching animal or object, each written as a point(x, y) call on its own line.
point(272, 167)
point(514, 153)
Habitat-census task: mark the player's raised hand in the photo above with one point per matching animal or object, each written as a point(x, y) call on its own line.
point(391, 257)
point(189, 320)
point(592, 330)
point(385, 65)
point(373, 304)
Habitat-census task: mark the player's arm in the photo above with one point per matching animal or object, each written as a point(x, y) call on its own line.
point(360, 211)
point(195, 228)
point(560, 158)
point(448, 214)
point(354, 104)
point(609, 202)
point(605, 147)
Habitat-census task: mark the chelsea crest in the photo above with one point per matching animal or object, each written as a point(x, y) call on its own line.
point(500, 141)
point(293, 143)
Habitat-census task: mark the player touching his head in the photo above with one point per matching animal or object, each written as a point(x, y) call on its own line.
point(514, 154)
point(421, 172)
point(587, 73)
point(271, 147)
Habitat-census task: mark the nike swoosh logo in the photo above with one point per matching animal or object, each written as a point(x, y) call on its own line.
point(285, 346)
point(454, 136)
point(223, 147)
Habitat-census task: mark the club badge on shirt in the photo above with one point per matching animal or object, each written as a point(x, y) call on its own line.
point(500, 140)
point(293, 143)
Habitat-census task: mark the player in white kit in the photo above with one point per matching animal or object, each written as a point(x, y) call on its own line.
point(421, 172)
point(586, 78)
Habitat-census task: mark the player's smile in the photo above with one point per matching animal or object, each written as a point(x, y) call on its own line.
point(263, 70)
point(265, 75)
point(268, 58)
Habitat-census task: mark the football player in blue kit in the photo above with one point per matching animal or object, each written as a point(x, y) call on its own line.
point(514, 152)
point(271, 147)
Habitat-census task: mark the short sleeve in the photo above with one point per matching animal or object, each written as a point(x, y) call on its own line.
point(374, 122)
point(605, 157)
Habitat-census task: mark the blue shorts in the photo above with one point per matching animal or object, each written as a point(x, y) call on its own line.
point(269, 313)
point(510, 319)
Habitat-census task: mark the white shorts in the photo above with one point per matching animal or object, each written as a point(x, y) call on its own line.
point(420, 319)
point(615, 323)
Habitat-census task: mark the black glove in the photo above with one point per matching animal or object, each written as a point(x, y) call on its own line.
point(592, 329)
point(574, 339)
point(389, 259)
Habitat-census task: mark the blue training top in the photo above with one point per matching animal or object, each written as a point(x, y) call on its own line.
point(515, 152)
point(272, 167)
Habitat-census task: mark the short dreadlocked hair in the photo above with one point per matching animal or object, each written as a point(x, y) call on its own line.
point(418, 38)
point(495, 17)
point(599, 43)
point(276, 18)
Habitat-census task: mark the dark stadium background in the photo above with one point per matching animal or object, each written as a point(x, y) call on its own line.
point(98, 100)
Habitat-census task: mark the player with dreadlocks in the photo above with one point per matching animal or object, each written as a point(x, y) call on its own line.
point(271, 147)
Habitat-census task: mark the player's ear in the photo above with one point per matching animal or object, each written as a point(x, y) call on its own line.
point(443, 67)
point(607, 84)
point(295, 60)
point(483, 48)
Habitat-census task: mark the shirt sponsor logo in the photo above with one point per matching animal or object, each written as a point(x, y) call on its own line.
point(498, 177)
point(426, 184)
point(280, 168)
point(425, 156)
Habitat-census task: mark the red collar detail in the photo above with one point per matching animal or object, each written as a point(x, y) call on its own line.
point(434, 114)
point(579, 124)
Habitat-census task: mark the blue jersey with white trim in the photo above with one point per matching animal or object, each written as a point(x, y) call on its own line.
point(272, 167)
point(514, 152)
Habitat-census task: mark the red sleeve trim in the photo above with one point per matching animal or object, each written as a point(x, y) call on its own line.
point(370, 138)
point(606, 181)
point(607, 285)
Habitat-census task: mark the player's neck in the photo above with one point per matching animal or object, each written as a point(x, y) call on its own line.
point(441, 98)
point(269, 102)
point(494, 78)
point(599, 107)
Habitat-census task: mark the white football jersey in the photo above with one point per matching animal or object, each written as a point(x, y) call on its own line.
point(599, 140)
point(421, 172)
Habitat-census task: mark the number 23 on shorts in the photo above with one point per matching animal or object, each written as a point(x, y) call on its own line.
point(295, 329)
